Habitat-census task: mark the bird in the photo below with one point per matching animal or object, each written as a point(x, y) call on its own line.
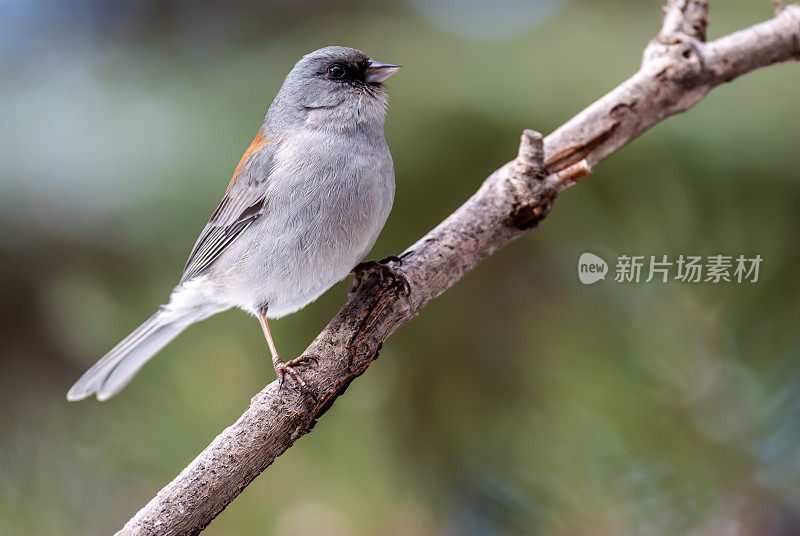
point(306, 204)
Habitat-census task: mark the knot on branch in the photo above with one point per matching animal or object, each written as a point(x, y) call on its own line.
point(685, 17)
point(677, 54)
point(529, 164)
point(682, 35)
point(528, 214)
point(532, 196)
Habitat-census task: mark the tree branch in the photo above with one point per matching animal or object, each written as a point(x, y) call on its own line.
point(678, 69)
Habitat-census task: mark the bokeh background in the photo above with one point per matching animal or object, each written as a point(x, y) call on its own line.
point(521, 402)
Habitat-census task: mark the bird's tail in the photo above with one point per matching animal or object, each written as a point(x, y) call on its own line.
point(112, 373)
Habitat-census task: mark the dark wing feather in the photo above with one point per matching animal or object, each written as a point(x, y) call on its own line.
point(243, 204)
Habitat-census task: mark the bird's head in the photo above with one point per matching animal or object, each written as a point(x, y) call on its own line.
point(335, 87)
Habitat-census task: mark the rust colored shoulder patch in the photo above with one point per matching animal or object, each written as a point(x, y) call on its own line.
point(259, 142)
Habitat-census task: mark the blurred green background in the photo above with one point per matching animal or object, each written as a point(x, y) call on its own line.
point(520, 402)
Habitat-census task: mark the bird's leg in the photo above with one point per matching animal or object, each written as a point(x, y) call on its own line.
point(282, 368)
point(383, 270)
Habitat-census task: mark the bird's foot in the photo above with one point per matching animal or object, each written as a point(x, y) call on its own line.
point(384, 271)
point(287, 368)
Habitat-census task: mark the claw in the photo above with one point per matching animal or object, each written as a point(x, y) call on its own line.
point(283, 368)
point(383, 269)
point(391, 258)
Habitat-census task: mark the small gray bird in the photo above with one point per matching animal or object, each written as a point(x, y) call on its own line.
point(305, 205)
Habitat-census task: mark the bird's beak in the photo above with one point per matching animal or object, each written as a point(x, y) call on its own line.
point(377, 72)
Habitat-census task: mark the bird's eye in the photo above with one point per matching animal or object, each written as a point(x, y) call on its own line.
point(336, 71)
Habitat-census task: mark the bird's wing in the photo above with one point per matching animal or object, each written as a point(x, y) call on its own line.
point(243, 203)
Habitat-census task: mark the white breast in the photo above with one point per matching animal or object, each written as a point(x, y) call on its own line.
point(327, 201)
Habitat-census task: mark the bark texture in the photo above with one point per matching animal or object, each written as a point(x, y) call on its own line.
point(678, 69)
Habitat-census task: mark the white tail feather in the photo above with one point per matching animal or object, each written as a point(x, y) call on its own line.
point(112, 373)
